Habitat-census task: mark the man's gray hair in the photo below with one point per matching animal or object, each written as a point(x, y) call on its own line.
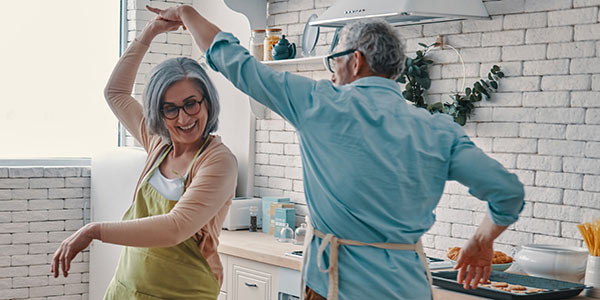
point(378, 42)
point(163, 76)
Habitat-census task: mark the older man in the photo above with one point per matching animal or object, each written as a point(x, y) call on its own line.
point(374, 166)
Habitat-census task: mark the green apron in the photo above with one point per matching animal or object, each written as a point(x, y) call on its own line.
point(177, 272)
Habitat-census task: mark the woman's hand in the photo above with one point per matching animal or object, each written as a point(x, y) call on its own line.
point(474, 263)
point(160, 25)
point(71, 246)
point(155, 27)
point(169, 14)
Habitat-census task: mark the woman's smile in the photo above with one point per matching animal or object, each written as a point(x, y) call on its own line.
point(188, 128)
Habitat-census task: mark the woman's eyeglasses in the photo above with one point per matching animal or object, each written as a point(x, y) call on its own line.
point(330, 61)
point(171, 111)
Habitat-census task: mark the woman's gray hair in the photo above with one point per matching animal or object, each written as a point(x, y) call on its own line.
point(163, 76)
point(378, 42)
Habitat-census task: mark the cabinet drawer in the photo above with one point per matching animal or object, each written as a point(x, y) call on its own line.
point(250, 280)
point(249, 286)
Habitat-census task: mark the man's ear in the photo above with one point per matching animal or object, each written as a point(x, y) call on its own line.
point(357, 63)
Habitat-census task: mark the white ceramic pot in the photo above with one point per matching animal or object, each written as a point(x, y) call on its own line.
point(592, 277)
point(553, 261)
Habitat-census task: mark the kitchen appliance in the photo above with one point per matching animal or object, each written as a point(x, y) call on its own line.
point(552, 289)
point(553, 261)
point(238, 216)
point(401, 12)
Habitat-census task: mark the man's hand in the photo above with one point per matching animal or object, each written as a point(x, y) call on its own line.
point(474, 263)
point(170, 14)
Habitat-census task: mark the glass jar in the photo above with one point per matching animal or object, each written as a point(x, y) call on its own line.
point(273, 36)
point(286, 235)
point(253, 219)
point(300, 234)
point(257, 40)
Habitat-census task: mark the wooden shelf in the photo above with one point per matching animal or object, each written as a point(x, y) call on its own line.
point(293, 61)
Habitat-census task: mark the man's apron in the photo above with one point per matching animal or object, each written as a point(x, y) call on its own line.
point(334, 242)
point(177, 272)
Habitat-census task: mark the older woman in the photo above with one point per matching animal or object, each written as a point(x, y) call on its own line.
point(171, 230)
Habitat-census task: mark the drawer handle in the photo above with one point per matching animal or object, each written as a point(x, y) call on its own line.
point(250, 284)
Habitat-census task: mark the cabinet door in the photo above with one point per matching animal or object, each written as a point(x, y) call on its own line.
point(222, 296)
point(251, 280)
point(250, 286)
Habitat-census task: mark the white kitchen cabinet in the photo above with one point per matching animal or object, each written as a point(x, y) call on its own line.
point(248, 280)
point(251, 285)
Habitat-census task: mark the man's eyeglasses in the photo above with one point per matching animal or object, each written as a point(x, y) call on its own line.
point(191, 107)
point(330, 61)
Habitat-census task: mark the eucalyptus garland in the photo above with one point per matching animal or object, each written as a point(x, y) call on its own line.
point(416, 77)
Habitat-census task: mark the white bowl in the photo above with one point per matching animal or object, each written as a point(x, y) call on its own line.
point(501, 267)
point(553, 261)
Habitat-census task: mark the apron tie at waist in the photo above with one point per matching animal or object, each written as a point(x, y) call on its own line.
point(334, 242)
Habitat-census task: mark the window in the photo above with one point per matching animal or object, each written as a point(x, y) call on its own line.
point(55, 58)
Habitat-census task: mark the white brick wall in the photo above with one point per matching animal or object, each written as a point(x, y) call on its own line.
point(39, 207)
point(543, 124)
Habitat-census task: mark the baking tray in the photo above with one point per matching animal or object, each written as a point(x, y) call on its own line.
point(556, 289)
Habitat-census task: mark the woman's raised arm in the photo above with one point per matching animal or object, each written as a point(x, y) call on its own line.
point(120, 85)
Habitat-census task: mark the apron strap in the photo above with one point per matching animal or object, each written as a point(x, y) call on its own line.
point(334, 242)
point(206, 142)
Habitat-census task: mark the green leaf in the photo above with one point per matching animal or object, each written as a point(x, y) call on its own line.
point(424, 82)
point(419, 53)
point(435, 107)
point(483, 83)
point(461, 120)
point(467, 92)
point(490, 76)
point(495, 68)
point(449, 109)
point(494, 84)
point(401, 79)
point(500, 74)
point(486, 93)
point(417, 71)
point(422, 45)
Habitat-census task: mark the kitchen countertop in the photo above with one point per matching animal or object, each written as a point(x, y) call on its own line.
point(259, 247)
point(264, 248)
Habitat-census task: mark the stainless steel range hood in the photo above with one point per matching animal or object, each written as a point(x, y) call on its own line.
point(401, 12)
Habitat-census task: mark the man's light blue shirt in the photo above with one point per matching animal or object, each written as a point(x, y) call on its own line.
point(374, 169)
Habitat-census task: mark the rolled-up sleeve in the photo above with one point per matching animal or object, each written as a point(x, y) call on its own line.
point(286, 94)
point(487, 180)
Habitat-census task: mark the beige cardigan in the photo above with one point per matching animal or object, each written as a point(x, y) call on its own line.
point(207, 197)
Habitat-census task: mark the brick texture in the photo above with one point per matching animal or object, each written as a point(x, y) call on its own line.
point(32, 218)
